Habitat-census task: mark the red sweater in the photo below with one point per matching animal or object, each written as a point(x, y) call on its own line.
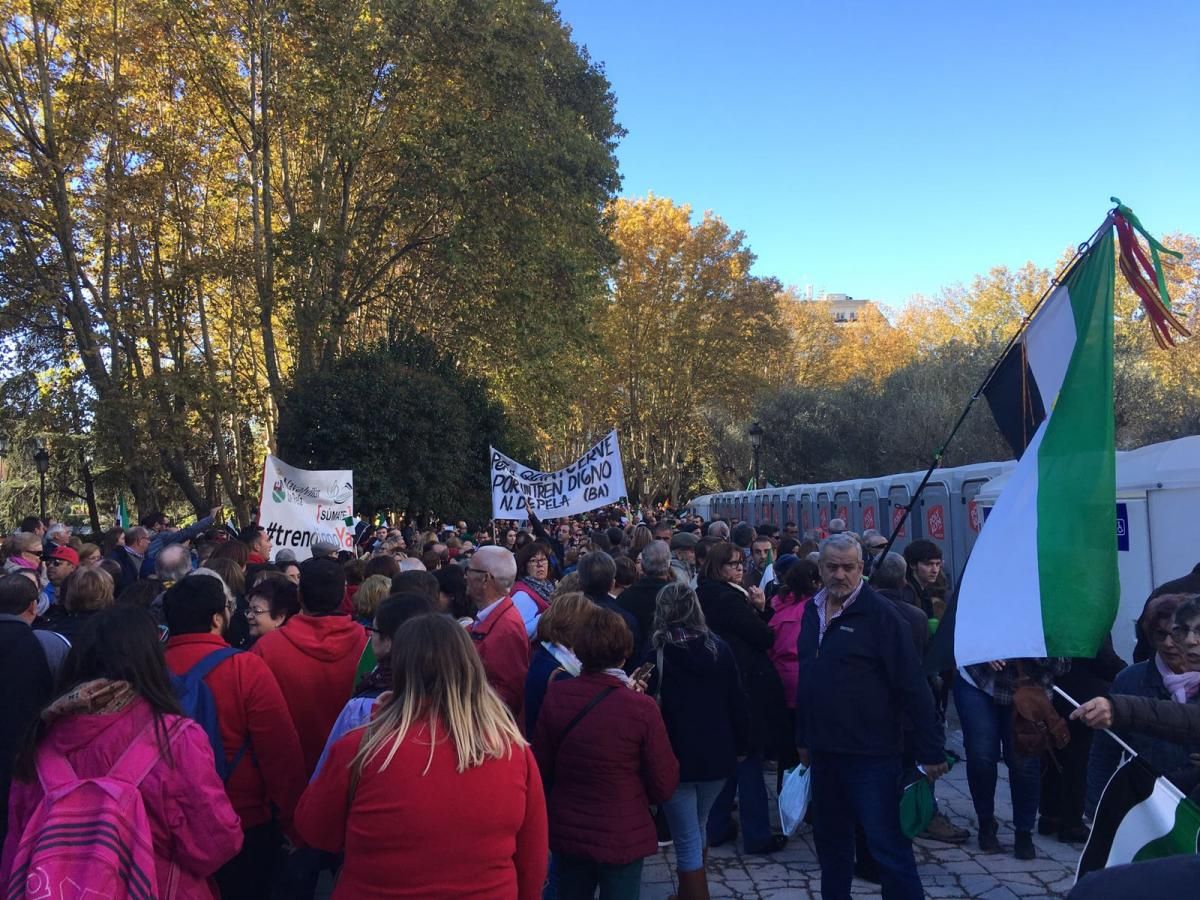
point(314, 659)
point(439, 834)
point(249, 705)
point(614, 763)
point(503, 645)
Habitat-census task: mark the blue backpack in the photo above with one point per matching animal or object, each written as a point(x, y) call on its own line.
point(198, 703)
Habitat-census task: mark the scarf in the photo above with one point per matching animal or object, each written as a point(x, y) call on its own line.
point(618, 673)
point(568, 660)
point(1182, 687)
point(98, 697)
point(375, 682)
point(543, 587)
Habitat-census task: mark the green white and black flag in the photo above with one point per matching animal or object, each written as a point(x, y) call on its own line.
point(1140, 816)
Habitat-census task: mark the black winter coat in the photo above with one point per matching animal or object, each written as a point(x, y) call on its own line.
point(731, 617)
point(639, 600)
point(703, 706)
point(26, 676)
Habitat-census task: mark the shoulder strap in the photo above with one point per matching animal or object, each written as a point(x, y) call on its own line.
point(591, 704)
point(142, 754)
point(53, 769)
point(209, 662)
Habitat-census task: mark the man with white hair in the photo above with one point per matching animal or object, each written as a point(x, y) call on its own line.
point(859, 684)
point(174, 562)
point(498, 630)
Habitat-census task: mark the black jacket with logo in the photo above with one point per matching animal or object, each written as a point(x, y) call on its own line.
point(860, 684)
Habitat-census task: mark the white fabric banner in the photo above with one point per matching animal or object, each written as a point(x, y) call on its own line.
point(299, 507)
point(594, 480)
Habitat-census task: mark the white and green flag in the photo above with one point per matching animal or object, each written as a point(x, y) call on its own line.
point(1042, 577)
point(1140, 816)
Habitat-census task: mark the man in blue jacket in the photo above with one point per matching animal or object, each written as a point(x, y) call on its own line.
point(859, 683)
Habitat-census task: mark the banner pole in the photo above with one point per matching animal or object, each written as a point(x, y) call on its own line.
point(1076, 704)
point(1080, 251)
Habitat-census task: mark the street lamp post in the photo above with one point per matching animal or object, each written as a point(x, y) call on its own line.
point(756, 435)
point(41, 459)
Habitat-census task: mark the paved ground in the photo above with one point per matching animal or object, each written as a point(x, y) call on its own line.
point(947, 871)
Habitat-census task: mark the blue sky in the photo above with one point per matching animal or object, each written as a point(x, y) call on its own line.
point(884, 149)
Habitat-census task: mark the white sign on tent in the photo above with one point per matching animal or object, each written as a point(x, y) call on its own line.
point(300, 507)
point(594, 480)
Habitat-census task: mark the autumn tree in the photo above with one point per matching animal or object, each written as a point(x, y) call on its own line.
point(687, 326)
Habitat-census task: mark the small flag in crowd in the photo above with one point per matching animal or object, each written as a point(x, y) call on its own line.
point(1140, 816)
point(122, 511)
point(1042, 579)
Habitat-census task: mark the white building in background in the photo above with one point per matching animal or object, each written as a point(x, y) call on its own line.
point(844, 307)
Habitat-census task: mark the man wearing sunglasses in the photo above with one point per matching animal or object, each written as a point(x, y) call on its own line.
point(60, 563)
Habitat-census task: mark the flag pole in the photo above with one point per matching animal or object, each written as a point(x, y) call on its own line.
point(1076, 704)
point(1080, 251)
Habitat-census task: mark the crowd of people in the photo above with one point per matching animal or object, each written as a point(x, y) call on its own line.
point(525, 709)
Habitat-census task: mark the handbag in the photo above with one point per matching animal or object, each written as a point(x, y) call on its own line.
point(1037, 726)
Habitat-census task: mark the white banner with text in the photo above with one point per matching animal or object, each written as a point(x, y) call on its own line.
point(594, 480)
point(300, 507)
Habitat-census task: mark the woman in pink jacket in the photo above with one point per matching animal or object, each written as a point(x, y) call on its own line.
point(800, 581)
point(119, 699)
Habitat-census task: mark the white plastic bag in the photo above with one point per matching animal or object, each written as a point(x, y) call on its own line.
point(793, 799)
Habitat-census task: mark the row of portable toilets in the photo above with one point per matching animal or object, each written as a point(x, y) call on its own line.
point(1158, 514)
point(946, 513)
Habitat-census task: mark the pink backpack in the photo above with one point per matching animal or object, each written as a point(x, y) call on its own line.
point(90, 837)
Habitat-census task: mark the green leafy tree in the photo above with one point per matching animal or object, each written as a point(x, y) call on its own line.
point(411, 425)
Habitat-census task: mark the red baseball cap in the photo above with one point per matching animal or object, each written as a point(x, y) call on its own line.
point(66, 553)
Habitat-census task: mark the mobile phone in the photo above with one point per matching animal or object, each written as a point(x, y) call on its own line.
point(642, 672)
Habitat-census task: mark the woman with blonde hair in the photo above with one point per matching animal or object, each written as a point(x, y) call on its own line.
point(373, 591)
point(85, 593)
point(441, 751)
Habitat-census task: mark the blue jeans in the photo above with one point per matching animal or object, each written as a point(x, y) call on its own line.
point(687, 814)
point(988, 737)
point(866, 790)
point(751, 792)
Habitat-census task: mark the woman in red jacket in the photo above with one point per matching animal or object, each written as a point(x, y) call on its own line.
point(604, 751)
point(442, 766)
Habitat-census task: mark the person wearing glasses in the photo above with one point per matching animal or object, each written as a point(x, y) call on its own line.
point(1149, 693)
point(739, 616)
point(257, 734)
point(23, 554)
point(499, 630)
point(272, 601)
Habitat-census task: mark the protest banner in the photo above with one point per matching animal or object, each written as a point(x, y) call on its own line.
point(594, 480)
point(299, 507)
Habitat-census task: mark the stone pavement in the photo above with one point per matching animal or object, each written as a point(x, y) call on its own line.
point(946, 870)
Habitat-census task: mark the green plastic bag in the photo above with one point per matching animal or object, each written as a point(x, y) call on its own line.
point(916, 802)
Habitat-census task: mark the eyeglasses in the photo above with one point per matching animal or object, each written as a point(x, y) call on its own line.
point(253, 611)
point(56, 562)
point(484, 572)
point(1182, 632)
